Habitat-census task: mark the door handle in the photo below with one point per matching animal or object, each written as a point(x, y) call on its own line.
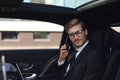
point(31, 77)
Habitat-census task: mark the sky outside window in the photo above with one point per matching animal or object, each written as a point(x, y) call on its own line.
point(75, 3)
point(65, 3)
point(27, 0)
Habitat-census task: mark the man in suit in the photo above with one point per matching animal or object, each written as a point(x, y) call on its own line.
point(89, 61)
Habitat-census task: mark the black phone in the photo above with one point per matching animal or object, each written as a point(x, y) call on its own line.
point(67, 42)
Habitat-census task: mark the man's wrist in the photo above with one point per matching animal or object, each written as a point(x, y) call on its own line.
point(61, 62)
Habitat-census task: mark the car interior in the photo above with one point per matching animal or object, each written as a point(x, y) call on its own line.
point(36, 64)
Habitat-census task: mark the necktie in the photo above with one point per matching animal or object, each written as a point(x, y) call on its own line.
point(71, 57)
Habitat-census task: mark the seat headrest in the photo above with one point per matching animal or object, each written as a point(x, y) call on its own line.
point(108, 38)
point(95, 36)
point(102, 38)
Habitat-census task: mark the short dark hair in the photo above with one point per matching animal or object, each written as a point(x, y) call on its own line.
point(73, 22)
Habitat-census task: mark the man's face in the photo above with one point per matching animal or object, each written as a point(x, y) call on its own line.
point(77, 35)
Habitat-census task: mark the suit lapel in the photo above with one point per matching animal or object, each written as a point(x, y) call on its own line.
point(81, 56)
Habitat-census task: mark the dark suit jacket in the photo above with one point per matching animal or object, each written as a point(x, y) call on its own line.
point(89, 65)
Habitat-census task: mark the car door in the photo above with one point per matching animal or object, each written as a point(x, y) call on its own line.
point(25, 59)
point(29, 63)
point(27, 51)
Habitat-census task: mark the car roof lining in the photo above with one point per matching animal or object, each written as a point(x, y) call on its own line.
point(101, 15)
point(97, 15)
point(40, 12)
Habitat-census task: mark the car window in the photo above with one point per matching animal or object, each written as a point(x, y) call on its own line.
point(116, 28)
point(29, 34)
point(65, 3)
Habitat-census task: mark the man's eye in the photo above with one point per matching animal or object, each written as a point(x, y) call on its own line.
point(71, 34)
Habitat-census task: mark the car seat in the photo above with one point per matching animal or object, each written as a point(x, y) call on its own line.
point(113, 60)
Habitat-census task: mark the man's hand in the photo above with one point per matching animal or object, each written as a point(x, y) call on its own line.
point(63, 53)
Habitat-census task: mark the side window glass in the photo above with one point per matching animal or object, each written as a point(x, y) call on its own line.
point(116, 28)
point(29, 34)
point(40, 35)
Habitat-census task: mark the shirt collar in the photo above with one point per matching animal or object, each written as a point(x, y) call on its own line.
point(80, 48)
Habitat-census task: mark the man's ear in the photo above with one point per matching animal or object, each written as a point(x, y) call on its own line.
point(86, 32)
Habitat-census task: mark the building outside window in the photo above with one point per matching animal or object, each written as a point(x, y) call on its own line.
point(29, 34)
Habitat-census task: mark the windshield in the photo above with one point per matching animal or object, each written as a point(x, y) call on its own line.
point(65, 3)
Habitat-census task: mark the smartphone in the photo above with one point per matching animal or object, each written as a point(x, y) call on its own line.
point(67, 42)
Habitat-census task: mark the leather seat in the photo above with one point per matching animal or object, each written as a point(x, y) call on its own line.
point(113, 60)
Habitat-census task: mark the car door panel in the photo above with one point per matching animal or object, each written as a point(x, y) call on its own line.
point(29, 63)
